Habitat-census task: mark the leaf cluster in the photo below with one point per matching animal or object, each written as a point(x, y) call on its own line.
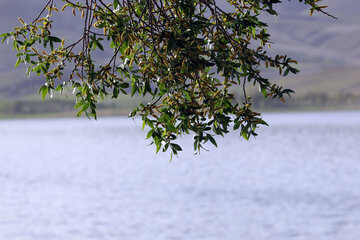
point(186, 54)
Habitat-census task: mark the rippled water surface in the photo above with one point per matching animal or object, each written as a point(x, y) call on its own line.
point(78, 179)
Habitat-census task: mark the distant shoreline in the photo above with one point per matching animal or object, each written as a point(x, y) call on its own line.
point(125, 113)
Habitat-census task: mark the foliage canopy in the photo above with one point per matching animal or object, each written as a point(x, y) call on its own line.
point(186, 54)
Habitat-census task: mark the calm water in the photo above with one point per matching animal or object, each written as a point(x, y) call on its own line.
point(79, 180)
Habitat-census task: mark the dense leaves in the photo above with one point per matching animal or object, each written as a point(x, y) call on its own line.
point(186, 54)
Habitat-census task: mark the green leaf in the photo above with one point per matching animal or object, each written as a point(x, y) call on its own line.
point(79, 113)
point(286, 72)
point(115, 92)
point(134, 87)
point(245, 135)
point(186, 95)
point(171, 127)
point(149, 123)
point(51, 45)
point(176, 147)
point(54, 39)
point(27, 58)
point(43, 68)
point(212, 140)
point(158, 147)
point(116, 3)
point(98, 44)
point(263, 91)
point(18, 62)
point(78, 104)
point(150, 133)
point(85, 106)
point(288, 92)
point(196, 145)
point(124, 85)
point(59, 87)
point(44, 90)
point(294, 70)
point(157, 142)
point(271, 11)
point(20, 42)
point(5, 35)
point(261, 121)
point(236, 125)
point(143, 125)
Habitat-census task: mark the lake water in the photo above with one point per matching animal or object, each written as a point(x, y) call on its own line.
point(80, 180)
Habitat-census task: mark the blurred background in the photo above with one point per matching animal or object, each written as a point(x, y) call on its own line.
point(71, 178)
point(327, 50)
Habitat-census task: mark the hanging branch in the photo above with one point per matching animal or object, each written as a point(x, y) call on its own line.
point(186, 54)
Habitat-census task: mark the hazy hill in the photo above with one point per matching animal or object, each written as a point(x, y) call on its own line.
point(327, 49)
point(320, 38)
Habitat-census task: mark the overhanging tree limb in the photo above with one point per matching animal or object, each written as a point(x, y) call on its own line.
point(186, 54)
